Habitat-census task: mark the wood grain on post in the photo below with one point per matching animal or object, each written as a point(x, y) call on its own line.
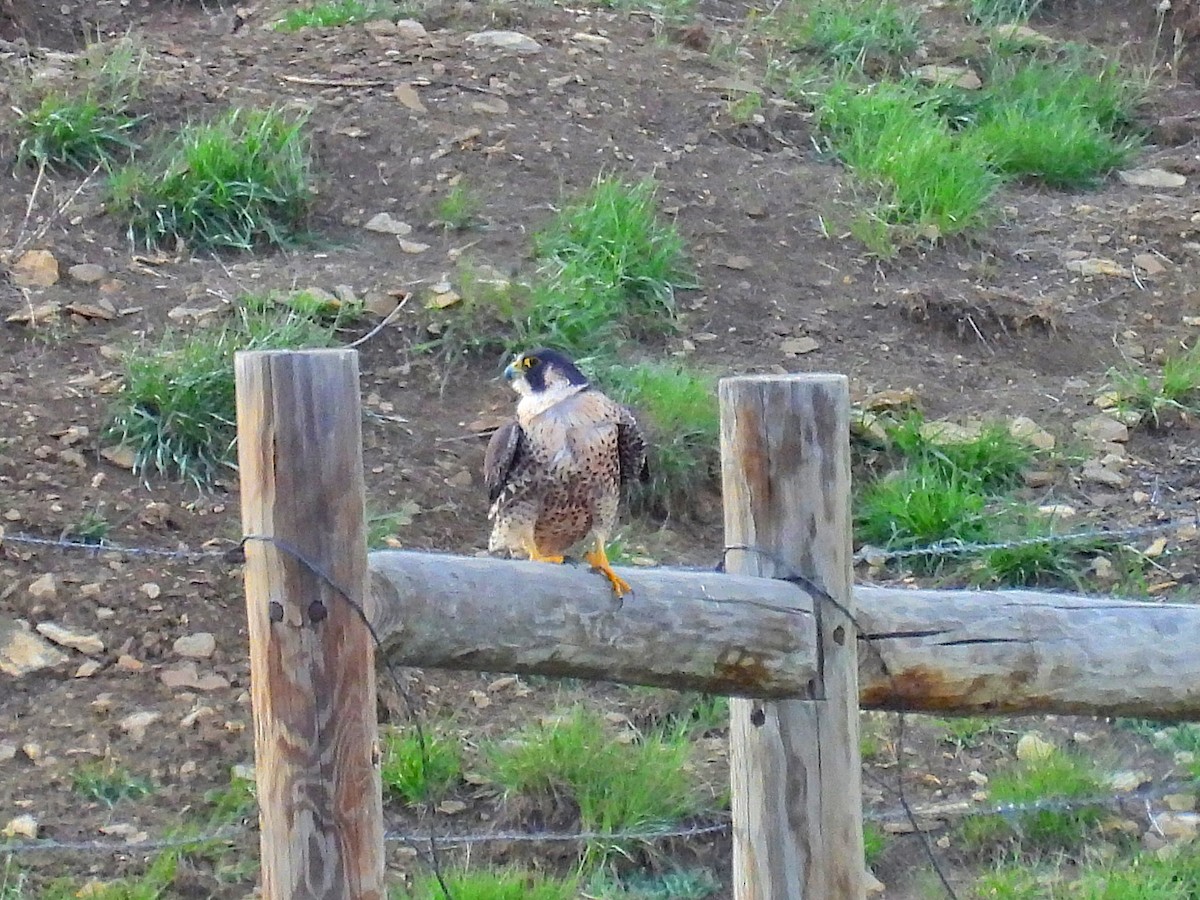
point(311, 656)
point(795, 769)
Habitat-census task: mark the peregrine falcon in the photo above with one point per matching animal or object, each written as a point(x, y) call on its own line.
point(554, 473)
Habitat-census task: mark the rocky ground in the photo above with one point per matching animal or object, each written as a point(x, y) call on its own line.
point(142, 659)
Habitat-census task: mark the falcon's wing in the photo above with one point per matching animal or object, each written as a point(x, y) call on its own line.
point(631, 448)
point(503, 454)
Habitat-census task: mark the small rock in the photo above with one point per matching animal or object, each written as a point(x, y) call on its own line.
point(1102, 428)
point(200, 645)
point(955, 76)
point(1057, 510)
point(409, 98)
point(25, 826)
point(200, 712)
point(22, 652)
point(1103, 569)
point(89, 644)
point(977, 778)
point(1097, 266)
point(410, 30)
point(43, 587)
point(1023, 33)
point(385, 223)
point(1180, 802)
point(1149, 263)
point(185, 675)
point(1032, 746)
point(412, 247)
point(946, 432)
point(87, 273)
point(905, 398)
point(1037, 478)
point(1096, 473)
point(1178, 826)
point(504, 40)
point(32, 751)
point(8, 750)
point(129, 663)
point(89, 668)
point(40, 313)
point(799, 346)
point(135, 724)
point(122, 457)
point(1025, 429)
point(1155, 178)
point(35, 268)
point(1125, 781)
point(193, 314)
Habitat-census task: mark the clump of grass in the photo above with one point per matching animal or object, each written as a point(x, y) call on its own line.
point(237, 181)
point(1059, 121)
point(335, 13)
point(1003, 12)
point(82, 128)
point(493, 885)
point(383, 527)
point(679, 410)
point(1143, 876)
point(677, 884)
point(418, 775)
point(92, 528)
point(152, 884)
point(1175, 391)
point(941, 489)
point(1057, 776)
point(921, 505)
point(458, 209)
point(12, 881)
point(609, 269)
point(177, 405)
point(855, 32)
point(109, 783)
point(928, 178)
point(965, 731)
point(874, 842)
point(616, 786)
point(231, 803)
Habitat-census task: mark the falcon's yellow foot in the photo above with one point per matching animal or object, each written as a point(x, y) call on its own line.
point(537, 556)
point(598, 559)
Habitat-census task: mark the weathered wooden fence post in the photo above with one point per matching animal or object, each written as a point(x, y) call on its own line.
point(311, 657)
point(796, 781)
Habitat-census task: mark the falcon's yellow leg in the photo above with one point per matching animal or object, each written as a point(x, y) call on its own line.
point(598, 559)
point(537, 556)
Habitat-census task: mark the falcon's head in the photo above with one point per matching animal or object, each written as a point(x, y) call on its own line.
point(543, 371)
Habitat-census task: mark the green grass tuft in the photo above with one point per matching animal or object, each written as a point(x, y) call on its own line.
point(928, 178)
point(1003, 12)
point(238, 181)
point(177, 405)
point(609, 269)
point(855, 32)
point(1058, 121)
point(616, 786)
point(678, 409)
point(75, 133)
point(921, 505)
point(105, 781)
point(334, 14)
point(1175, 391)
point(1058, 776)
point(678, 884)
point(415, 776)
point(459, 208)
point(493, 885)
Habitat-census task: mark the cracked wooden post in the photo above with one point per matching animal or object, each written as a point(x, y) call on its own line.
point(795, 768)
point(312, 664)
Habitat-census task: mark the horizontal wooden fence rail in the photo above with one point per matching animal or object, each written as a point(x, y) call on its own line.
point(945, 652)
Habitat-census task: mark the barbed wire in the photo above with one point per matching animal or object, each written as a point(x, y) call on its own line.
point(946, 811)
point(880, 555)
point(870, 555)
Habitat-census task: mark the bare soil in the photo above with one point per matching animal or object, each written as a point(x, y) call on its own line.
point(996, 326)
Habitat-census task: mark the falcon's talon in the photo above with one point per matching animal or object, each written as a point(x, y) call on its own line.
point(599, 561)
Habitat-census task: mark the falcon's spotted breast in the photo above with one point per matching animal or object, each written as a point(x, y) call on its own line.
point(554, 473)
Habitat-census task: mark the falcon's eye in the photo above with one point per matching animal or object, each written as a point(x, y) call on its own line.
point(528, 362)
